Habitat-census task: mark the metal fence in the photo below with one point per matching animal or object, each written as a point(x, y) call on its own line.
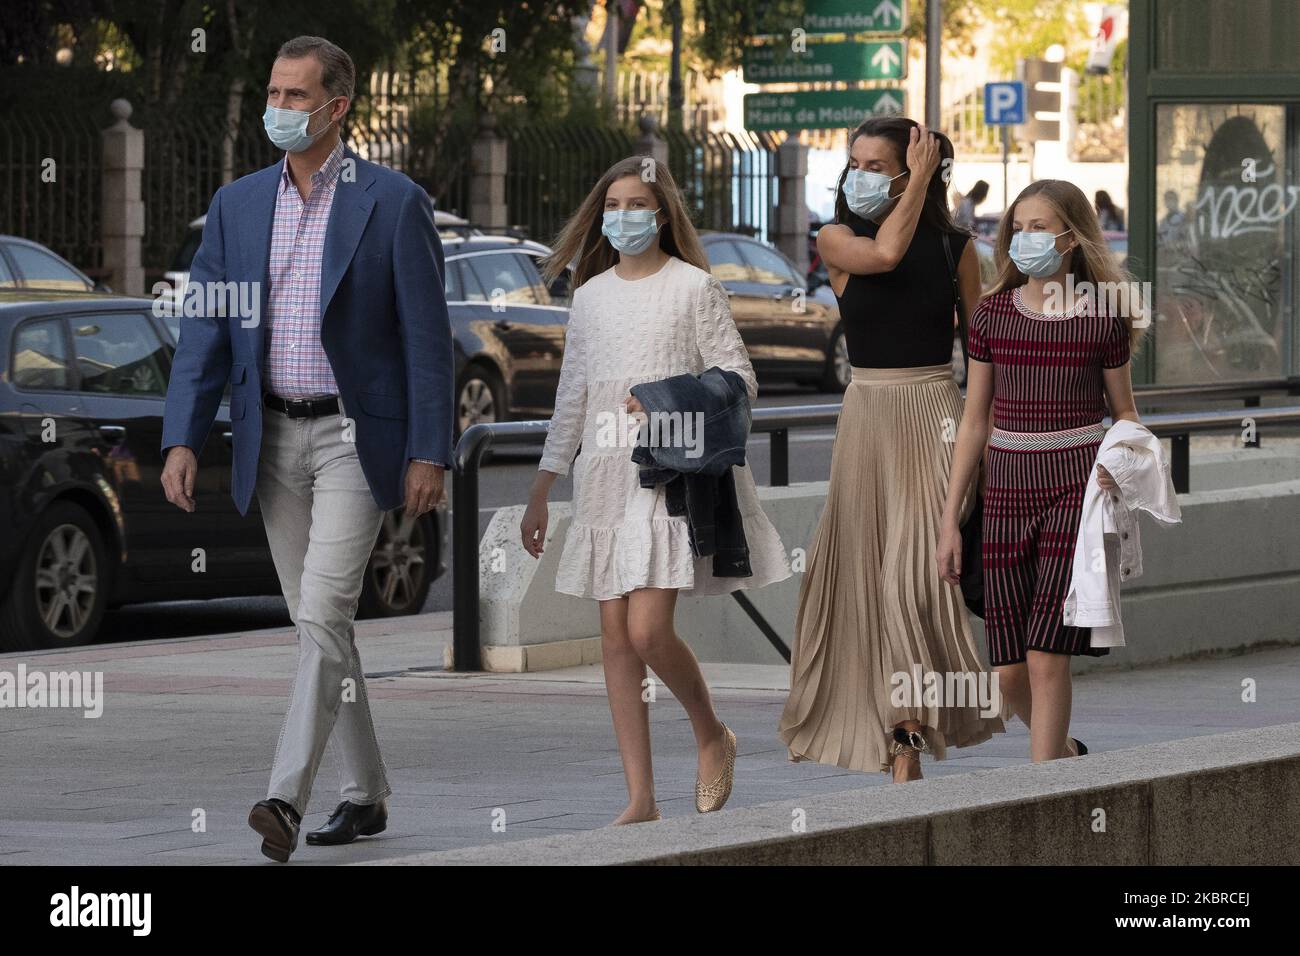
point(51, 180)
point(638, 92)
point(728, 180)
point(550, 170)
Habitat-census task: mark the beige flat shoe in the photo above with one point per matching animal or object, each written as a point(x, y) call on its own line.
point(712, 796)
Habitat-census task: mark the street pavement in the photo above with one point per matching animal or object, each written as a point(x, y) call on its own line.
point(189, 728)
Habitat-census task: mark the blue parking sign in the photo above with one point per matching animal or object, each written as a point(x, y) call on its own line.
point(1004, 103)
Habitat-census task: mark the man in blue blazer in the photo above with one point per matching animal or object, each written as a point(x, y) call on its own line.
point(338, 352)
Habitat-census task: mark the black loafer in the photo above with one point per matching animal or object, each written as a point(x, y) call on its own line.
point(1080, 746)
point(349, 821)
point(278, 824)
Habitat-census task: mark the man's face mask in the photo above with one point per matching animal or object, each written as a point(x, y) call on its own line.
point(287, 129)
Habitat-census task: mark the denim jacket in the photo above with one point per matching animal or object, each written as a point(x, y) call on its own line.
point(695, 431)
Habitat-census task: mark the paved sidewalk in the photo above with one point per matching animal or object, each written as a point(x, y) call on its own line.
point(190, 725)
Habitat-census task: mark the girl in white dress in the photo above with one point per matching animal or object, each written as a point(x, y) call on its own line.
point(645, 307)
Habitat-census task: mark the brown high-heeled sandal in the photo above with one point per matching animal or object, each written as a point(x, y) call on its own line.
point(908, 745)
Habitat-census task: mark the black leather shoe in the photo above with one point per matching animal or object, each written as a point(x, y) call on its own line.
point(349, 821)
point(1080, 746)
point(278, 824)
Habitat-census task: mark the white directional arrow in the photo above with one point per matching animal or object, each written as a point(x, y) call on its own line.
point(886, 60)
point(889, 9)
point(887, 104)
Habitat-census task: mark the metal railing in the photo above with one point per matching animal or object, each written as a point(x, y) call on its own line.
point(777, 422)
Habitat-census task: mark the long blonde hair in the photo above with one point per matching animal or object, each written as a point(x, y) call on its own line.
point(581, 240)
point(1090, 261)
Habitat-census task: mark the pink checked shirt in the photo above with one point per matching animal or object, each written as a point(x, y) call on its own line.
point(296, 365)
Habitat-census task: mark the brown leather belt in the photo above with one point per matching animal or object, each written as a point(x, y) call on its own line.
point(303, 407)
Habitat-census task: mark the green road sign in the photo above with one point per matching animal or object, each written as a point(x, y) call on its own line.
point(854, 16)
point(883, 60)
point(819, 109)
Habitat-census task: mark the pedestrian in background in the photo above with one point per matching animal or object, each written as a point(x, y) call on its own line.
point(964, 217)
point(1109, 216)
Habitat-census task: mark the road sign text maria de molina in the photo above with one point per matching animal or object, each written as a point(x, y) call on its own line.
point(818, 109)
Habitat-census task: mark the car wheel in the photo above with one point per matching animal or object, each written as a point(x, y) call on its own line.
point(401, 566)
point(480, 399)
point(839, 371)
point(58, 596)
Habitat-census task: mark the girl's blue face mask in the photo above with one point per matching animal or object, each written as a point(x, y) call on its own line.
point(1035, 253)
point(287, 129)
point(630, 231)
point(867, 192)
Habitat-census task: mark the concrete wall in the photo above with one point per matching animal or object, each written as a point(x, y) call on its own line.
point(1227, 577)
point(1227, 799)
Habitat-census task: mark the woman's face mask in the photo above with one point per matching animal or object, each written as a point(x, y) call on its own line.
point(867, 192)
point(287, 129)
point(630, 231)
point(1035, 253)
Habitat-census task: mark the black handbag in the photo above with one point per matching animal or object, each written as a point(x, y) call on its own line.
point(972, 532)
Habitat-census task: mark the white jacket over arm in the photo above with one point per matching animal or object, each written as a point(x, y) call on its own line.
point(1108, 549)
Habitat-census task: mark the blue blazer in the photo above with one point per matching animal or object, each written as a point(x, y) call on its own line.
point(384, 327)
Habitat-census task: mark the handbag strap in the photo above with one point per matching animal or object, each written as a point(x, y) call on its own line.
point(956, 295)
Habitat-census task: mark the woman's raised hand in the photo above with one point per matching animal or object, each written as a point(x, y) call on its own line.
point(922, 155)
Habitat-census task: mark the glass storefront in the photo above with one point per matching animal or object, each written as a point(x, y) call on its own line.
point(1214, 189)
point(1226, 224)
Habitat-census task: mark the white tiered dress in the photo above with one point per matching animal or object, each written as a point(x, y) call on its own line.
point(621, 333)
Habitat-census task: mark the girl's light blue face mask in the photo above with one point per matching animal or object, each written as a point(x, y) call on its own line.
point(867, 192)
point(287, 129)
point(1035, 253)
point(630, 231)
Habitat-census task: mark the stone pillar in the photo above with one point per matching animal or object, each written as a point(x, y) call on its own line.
point(122, 216)
point(650, 143)
point(487, 180)
point(791, 232)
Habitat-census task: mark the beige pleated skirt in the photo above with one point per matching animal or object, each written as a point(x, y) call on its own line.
point(872, 606)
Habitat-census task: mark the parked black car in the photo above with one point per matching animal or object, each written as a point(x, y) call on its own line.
point(789, 336)
point(84, 525)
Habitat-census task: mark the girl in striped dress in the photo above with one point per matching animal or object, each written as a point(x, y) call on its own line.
point(1049, 347)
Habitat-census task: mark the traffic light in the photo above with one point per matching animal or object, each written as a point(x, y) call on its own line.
point(1043, 87)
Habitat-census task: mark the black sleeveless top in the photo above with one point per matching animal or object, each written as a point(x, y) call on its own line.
point(902, 318)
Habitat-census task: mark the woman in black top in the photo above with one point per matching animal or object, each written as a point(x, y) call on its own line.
point(884, 666)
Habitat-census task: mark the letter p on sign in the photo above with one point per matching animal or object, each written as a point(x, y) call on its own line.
point(1004, 103)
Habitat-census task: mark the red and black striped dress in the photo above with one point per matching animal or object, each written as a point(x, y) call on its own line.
point(1047, 379)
